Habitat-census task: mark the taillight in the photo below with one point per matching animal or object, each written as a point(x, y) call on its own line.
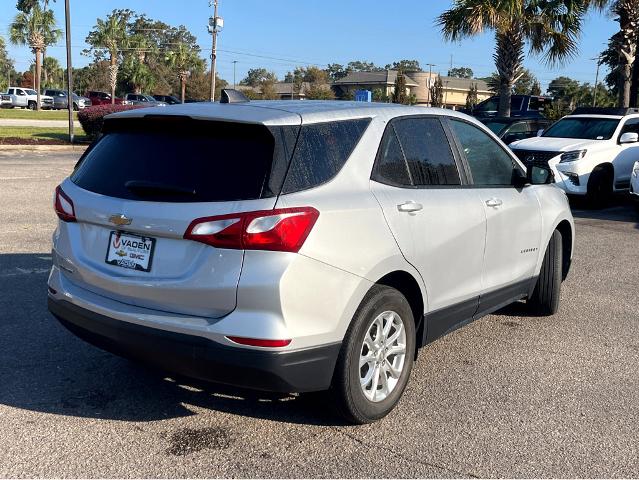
point(284, 229)
point(63, 206)
point(259, 342)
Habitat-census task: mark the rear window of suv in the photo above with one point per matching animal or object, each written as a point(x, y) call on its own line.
point(182, 160)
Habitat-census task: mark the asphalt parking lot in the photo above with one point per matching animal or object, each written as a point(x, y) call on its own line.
point(506, 396)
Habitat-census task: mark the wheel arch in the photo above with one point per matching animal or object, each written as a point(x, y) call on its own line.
point(607, 167)
point(408, 286)
point(565, 229)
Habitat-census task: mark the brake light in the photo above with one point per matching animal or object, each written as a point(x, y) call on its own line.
point(283, 229)
point(63, 206)
point(258, 342)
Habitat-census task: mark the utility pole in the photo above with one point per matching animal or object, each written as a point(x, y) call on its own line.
point(234, 63)
point(67, 16)
point(594, 95)
point(430, 79)
point(213, 29)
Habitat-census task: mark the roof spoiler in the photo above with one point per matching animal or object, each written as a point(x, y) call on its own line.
point(233, 96)
point(605, 111)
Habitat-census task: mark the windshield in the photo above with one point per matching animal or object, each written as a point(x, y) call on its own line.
point(583, 128)
point(496, 127)
point(30, 92)
point(148, 98)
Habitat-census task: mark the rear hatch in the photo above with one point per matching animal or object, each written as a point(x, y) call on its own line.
point(138, 189)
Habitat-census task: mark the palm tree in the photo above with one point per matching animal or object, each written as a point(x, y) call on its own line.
point(112, 36)
point(138, 75)
point(182, 59)
point(549, 27)
point(37, 28)
point(53, 73)
point(625, 43)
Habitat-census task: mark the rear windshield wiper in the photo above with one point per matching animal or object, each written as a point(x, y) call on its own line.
point(145, 187)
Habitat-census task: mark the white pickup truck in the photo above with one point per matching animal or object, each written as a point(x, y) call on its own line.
point(28, 98)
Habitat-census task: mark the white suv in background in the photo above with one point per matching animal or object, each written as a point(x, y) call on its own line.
point(634, 185)
point(591, 152)
point(300, 246)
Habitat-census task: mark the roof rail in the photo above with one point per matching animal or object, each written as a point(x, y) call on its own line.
point(605, 111)
point(229, 95)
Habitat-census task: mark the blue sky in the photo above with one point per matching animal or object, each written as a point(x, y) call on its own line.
point(280, 34)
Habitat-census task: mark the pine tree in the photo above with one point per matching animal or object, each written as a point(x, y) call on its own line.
point(437, 93)
point(399, 94)
point(471, 98)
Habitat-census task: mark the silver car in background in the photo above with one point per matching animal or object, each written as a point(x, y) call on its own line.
point(61, 100)
point(300, 246)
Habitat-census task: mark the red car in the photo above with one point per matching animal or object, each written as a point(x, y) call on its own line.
point(103, 98)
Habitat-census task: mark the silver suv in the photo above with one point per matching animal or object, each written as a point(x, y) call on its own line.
point(300, 246)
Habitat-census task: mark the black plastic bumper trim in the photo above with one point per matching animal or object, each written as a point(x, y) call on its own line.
point(198, 357)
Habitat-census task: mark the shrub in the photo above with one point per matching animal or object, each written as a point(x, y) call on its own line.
point(92, 118)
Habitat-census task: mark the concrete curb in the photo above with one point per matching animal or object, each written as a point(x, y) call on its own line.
point(43, 148)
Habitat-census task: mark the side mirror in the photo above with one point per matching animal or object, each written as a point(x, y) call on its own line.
point(629, 137)
point(539, 175)
point(519, 179)
point(540, 132)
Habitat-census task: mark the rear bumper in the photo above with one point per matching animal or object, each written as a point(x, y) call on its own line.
point(198, 357)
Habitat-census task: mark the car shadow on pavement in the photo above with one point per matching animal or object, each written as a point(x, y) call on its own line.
point(45, 368)
point(620, 209)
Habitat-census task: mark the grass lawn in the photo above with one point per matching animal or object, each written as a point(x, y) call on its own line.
point(43, 135)
point(41, 115)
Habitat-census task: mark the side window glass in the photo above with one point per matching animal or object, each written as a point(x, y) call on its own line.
point(427, 151)
point(488, 161)
point(391, 167)
point(321, 152)
point(631, 126)
point(520, 127)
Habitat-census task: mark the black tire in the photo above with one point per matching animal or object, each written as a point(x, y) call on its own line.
point(599, 194)
point(346, 391)
point(32, 105)
point(75, 107)
point(545, 297)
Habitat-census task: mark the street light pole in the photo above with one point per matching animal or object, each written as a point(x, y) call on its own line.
point(234, 64)
point(214, 50)
point(594, 95)
point(67, 15)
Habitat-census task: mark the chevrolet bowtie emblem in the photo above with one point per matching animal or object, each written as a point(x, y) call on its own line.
point(120, 220)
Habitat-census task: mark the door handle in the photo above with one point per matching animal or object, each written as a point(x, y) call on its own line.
point(410, 207)
point(494, 202)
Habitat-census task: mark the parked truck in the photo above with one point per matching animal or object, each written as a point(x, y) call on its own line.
point(28, 98)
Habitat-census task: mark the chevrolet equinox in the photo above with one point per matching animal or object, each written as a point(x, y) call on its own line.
point(300, 246)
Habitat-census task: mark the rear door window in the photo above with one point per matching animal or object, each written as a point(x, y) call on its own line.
point(321, 152)
point(182, 160)
point(427, 151)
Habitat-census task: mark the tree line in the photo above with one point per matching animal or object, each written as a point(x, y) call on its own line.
point(129, 52)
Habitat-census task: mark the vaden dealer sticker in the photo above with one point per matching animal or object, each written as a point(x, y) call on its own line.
point(130, 251)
